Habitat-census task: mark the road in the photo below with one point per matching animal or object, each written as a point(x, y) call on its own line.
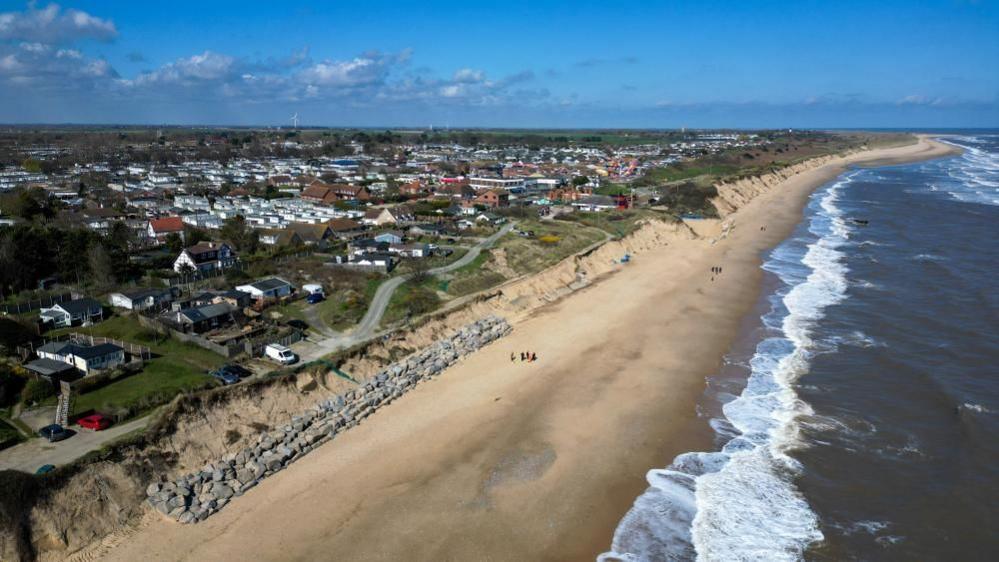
point(30, 455)
point(368, 325)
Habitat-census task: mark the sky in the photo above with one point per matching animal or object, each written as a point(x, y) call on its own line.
point(537, 64)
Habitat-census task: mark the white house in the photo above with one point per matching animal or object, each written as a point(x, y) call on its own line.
point(272, 287)
point(141, 299)
point(71, 313)
point(86, 358)
point(205, 257)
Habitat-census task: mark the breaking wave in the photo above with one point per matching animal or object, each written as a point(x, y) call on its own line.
point(740, 503)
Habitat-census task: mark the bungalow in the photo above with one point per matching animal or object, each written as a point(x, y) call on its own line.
point(393, 215)
point(141, 299)
point(412, 188)
point(490, 218)
point(595, 203)
point(345, 228)
point(205, 257)
point(203, 318)
point(410, 250)
point(391, 236)
point(382, 260)
point(326, 194)
point(364, 245)
point(428, 229)
point(272, 287)
point(279, 237)
point(86, 358)
point(52, 370)
point(312, 234)
point(159, 229)
point(71, 313)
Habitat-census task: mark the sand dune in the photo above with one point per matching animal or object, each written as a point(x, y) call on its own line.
point(513, 461)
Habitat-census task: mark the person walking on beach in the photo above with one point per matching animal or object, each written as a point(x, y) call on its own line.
point(513, 357)
point(521, 356)
point(534, 357)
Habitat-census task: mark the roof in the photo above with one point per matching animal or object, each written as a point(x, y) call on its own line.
point(206, 312)
point(92, 351)
point(167, 224)
point(140, 294)
point(341, 225)
point(310, 232)
point(270, 283)
point(203, 247)
point(48, 367)
point(56, 347)
point(602, 200)
point(79, 306)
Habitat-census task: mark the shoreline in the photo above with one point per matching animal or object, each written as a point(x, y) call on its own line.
point(501, 460)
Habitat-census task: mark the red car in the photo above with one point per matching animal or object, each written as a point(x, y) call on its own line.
point(95, 422)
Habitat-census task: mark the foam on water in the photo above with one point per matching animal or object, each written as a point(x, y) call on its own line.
point(741, 503)
point(975, 175)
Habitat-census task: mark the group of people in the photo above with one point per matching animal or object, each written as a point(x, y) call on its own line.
point(529, 356)
point(715, 270)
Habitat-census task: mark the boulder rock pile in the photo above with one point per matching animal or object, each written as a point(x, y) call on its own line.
point(195, 496)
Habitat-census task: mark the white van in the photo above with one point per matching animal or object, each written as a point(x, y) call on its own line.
point(280, 353)
point(313, 289)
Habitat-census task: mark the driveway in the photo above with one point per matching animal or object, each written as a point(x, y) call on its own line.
point(366, 328)
point(30, 455)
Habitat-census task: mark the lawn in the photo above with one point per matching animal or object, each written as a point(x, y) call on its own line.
point(552, 242)
point(175, 367)
point(346, 306)
point(412, 299)
point(473, 277)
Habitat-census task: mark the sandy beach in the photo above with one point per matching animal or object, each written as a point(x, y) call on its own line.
point(501, 460)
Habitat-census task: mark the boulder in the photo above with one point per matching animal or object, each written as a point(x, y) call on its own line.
point(222, 492)
point(153, 489)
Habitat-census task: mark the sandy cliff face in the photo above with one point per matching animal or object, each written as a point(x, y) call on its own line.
point(733, 195)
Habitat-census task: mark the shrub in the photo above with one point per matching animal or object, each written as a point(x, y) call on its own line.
point(549, 239)
point(37, 390)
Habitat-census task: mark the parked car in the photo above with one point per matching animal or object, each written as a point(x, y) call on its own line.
point(280, 353)
point(45, 469)
point(315, 298)
point(55, 432)
point(95, 422)
point(238, 370)
point(225, 377)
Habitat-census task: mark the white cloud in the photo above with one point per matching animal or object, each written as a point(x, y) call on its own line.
point(52, 25)
point(468, 75)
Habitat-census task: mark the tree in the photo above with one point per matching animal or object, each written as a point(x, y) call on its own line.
point(37, 390)
point(236, 231)
point(101, 269)
point(174, 242)
point(580, 180)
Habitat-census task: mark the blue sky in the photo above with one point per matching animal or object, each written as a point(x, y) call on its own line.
point(503, 64)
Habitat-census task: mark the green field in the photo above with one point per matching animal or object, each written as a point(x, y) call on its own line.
point(529, 255)
point(176, 367)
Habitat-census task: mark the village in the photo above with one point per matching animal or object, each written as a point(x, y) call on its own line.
point(200, 271)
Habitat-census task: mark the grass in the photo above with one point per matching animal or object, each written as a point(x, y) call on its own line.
point(176, 367)
point(411, 299)
point(9, 435)
point(620, 223)
point(345, 308)
point(530, 255)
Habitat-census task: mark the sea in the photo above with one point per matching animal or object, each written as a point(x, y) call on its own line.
point(858, 416)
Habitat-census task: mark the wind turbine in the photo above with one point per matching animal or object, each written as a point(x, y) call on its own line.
point(294, 120)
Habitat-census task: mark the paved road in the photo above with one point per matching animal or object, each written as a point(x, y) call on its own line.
point(366, 328)
point(30, 455)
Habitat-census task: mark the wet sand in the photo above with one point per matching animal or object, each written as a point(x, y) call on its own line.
point(523, 461)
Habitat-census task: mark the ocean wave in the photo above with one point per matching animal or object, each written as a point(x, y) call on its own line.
point(741, 503)
point(977, 408)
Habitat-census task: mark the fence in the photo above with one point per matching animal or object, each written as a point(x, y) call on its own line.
point(133, 349)
point(36, 304)
point(226, 351)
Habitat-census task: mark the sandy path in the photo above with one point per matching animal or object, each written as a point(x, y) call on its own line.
point(509, 461)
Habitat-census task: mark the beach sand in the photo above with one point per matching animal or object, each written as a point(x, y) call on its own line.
point(523, 461)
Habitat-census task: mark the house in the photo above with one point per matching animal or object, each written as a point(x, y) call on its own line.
point(381, 260)
point(203, 318)
point(391, 237)
point(279, 237)
point(142, 299)
point(159, 229)
point(490, 218)
point(427, 229)
point(345, 228)
point(272, 287)
point(410, 250)
point(412, 188)
point(86, 358)
point(595, 203)
point(72, 313)
point(205, 257)
point(326, 194)
point(492, 198)
point(313, 234)
point(359, 246)
point(392, 215)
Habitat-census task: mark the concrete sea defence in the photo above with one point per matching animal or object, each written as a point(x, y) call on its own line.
point(195, 496)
